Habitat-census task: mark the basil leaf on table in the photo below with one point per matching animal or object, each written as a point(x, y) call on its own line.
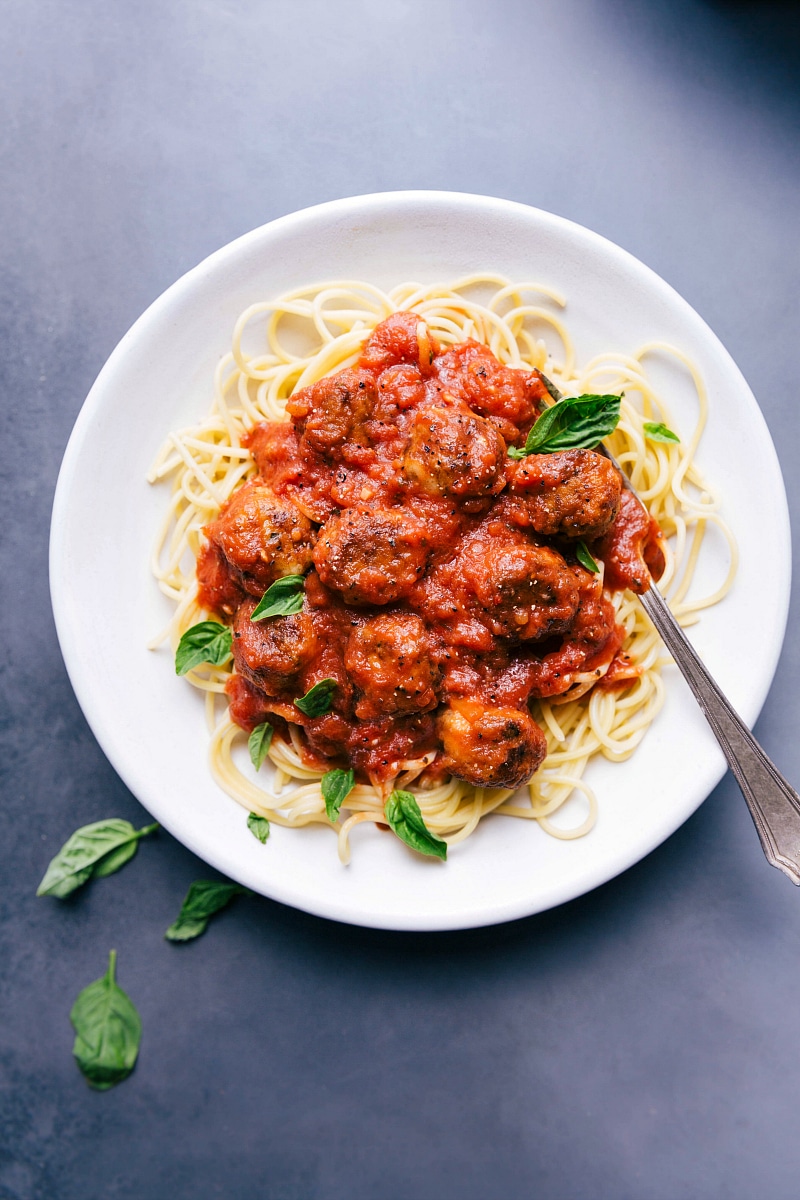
point(575, 423)
point(405, 819)
point(584, 557)
point(92, 852)
point(108, 1031)
point(336, 787)
point(318, 699)
point(258, 826)
point(656, 431)
point(207, 642)
point(281, 599)
point(259, 743)
point(116, 859)
point(204, 898)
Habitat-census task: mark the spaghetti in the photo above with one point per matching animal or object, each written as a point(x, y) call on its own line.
point(284, 346)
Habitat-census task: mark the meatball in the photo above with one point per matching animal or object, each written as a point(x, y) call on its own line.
point(524, 591)
point(452, 451)
point(271, 654)
point(334, 410)
point(262, 537)
point(372, 557)
point(490, 747)
point(388, 659)
point(573, 494)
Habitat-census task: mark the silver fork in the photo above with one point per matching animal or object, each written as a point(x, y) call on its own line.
point(774, 805)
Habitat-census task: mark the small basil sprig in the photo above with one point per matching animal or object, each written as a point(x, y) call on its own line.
point(258, 826)
point(585, 559)
point(208, 642)
point(108, 1031)
point(336, 787)
point(281, 599)
point(259, 743)
point(656, 431)
point(92, 852)
point(578, 422)
point(405, 819)
point(318, 699)
point(204, 898)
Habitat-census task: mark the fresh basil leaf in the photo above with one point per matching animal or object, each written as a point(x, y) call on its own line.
point(108, 1031)
point(204, 898)
point(259, 743)
point(208, 642)
point(281, 599)
point(318, 699)
point(258, 826)
point(585, 559)
point(404, 817)
point(575, 423)
point(116, 859)
point(656, 431)
point(93, 851)
point(336, 787)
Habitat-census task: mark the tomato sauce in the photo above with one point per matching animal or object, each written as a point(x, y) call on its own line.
point(442, 589)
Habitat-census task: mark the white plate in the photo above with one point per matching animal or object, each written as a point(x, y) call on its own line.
point(151, 724)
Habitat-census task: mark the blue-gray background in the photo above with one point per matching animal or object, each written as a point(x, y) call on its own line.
point(642, 1042)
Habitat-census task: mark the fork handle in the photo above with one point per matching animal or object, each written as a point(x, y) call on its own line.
point(774, 805)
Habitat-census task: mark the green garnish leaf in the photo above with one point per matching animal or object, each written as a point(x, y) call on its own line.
point(336, 787)
point(204, 898)
point(281, 599)
point(575, 423)
point(258, 826)
point(116, 859)
point(656, 431)
point(259, 743)
point(405, 819)
point(92, 852)
point(318, 699)
point(208, 642)
point(108, 1031)
point(585, 559)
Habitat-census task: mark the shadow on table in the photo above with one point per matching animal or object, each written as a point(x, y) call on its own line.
point(746, 47)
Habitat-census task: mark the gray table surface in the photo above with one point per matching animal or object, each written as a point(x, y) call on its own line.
point(643, 1041)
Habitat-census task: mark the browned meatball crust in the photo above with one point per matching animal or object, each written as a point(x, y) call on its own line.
point(524, 591)
point(334, 410)
point(372, 557)
point(388, 659)
point(272, 653)
point(262, 537)
point(572, 494)
point(490, 747)
point(451, 450)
